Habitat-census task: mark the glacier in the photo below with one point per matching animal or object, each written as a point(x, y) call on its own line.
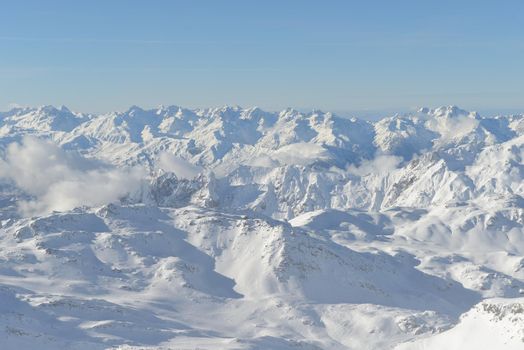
point(238, 228)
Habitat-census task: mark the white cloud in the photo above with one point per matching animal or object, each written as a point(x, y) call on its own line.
point(301, 153)
point(60, 180)
point(13, 105)
point(450, 128)
point(263, 161)
point(181, 167)
point(379, 165)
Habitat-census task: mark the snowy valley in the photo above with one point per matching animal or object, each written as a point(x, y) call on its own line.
point(233, 228)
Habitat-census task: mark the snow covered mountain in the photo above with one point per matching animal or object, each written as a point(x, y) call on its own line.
point(232, 228)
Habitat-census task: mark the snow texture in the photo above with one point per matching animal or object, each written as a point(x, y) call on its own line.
point(232, 228)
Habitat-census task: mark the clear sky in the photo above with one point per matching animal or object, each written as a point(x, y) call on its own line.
point(339, 55)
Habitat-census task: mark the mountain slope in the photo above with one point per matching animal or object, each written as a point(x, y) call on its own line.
point(232, 228)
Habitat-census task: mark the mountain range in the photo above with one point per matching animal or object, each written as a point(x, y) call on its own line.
point(233, 228)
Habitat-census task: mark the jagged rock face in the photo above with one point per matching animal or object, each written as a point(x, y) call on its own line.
point(240, 228)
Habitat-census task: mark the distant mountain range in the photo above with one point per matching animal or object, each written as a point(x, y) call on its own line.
point(233, 228)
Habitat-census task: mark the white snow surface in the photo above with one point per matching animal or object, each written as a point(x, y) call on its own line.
point(232, 228)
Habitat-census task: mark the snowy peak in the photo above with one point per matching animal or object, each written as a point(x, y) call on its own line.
point(43, 119)
point(450, 112)
point(231, 227)
point(292, 161)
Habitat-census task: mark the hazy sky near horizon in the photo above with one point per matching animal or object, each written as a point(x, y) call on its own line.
point(340, 55)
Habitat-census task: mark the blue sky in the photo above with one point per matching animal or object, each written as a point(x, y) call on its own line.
point(102, 55)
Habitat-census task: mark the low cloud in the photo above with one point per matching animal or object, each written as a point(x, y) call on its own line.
point(263, 161)
point(181, 167)
point(301, 153)
point(60, 180)
point(13, 105)
point(380, 165)
point(452, 128)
